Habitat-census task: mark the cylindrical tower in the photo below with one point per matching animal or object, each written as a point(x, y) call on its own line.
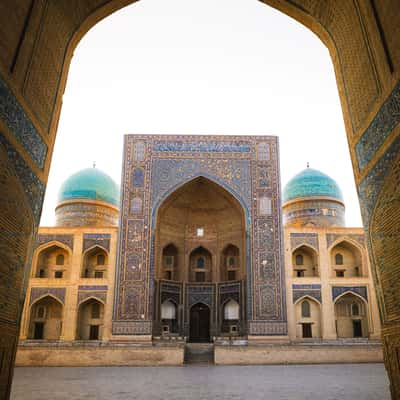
point(88, 198)
point(312, 198)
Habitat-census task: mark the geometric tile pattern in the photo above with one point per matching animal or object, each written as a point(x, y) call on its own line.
point(21, 126)
point(154, 166)
point(360, 290)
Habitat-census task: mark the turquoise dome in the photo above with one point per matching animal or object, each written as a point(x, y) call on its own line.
point(90, 183)
point(311, 183)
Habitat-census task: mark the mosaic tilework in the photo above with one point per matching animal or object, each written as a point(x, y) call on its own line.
point(202, 147)
point(200, 294)
point(33, 186)
point(171, 161)
point(83, 296)
point(93, 287)
point(360, 290)
point(58, 293)
point(229, 291)
point(332, 237)
point(313, 291)
point(172, 173)
point(138, 177)
point(171, 291)
point(21, 126)
point(93, 239)
point(371, 185)
point(298, 239)
point(131, 327)
point(381, 126)
point(68, 240)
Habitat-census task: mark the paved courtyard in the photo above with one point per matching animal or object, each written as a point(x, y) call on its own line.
point(297, 382)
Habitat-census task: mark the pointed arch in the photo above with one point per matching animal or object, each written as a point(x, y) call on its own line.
point(305, 261)
point(48, 247)
point(348, 258)
point(91, 268)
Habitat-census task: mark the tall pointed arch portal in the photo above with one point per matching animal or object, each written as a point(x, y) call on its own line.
point(200, 223)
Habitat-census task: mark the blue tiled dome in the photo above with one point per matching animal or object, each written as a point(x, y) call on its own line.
point(311, 183)
point(90, 183)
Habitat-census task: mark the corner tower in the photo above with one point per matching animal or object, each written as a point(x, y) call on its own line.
point(89, 197)
point(312, 198)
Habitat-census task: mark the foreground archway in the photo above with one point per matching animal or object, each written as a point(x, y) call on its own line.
point(37, 44)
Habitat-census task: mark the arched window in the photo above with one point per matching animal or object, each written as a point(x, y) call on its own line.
point(305, 309)
point(60, 259)
point(95, 310)
point(299, 259)
point(168, 310)
point(338, 259)
point(200, 262)
point(101, 259)
point(231, 310)
point(355, 309)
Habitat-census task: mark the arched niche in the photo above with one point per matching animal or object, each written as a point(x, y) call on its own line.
point(52, 261)
point(95, 263)
point(169, 263)
point(46, 317)
point(199, 214)
point(90, 320)
point(308, 318)
point(305, 262)
point(169, 317)
point(346, 260)
point(351, 316)
point(200, 265)
point(230, 267)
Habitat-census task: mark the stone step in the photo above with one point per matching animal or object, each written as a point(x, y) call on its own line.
point(196, 353)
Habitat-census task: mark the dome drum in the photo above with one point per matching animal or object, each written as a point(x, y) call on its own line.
point(312, 198)
point(88, 198)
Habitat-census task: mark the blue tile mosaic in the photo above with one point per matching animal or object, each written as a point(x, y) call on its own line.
point(34, 188)
point(68, 240)
point(379, 129)
point(21, 126)
point(339, 290)
point(92, 287)
point(138, 177)
point(209, 147)
point(370, 186)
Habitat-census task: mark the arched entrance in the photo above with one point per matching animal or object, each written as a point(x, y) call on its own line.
point(199, 323)
point(195, 226)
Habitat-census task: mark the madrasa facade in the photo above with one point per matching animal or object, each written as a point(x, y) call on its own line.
point(199, 246)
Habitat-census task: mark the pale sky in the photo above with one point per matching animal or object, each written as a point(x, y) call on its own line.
point(227, 67)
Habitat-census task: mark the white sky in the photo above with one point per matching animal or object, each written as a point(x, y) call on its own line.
point(234, 67)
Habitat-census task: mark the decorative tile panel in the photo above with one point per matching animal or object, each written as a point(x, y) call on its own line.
point(93, 239)
point(58, 293)
point(33, 186)
point(68, 240)
point(332, 237)
point(298, 239)
point(381, 126)
point(360, 290)
point(21, 126)
point(313, 291)
point(240, 167)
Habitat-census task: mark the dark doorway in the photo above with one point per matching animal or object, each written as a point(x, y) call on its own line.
point(307, 331)
point(357, 328)
point(39, 331)
point(94, 332)
point(199, 323)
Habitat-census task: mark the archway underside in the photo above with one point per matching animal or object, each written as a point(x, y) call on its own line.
point(37, 43)
point(200, 252)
